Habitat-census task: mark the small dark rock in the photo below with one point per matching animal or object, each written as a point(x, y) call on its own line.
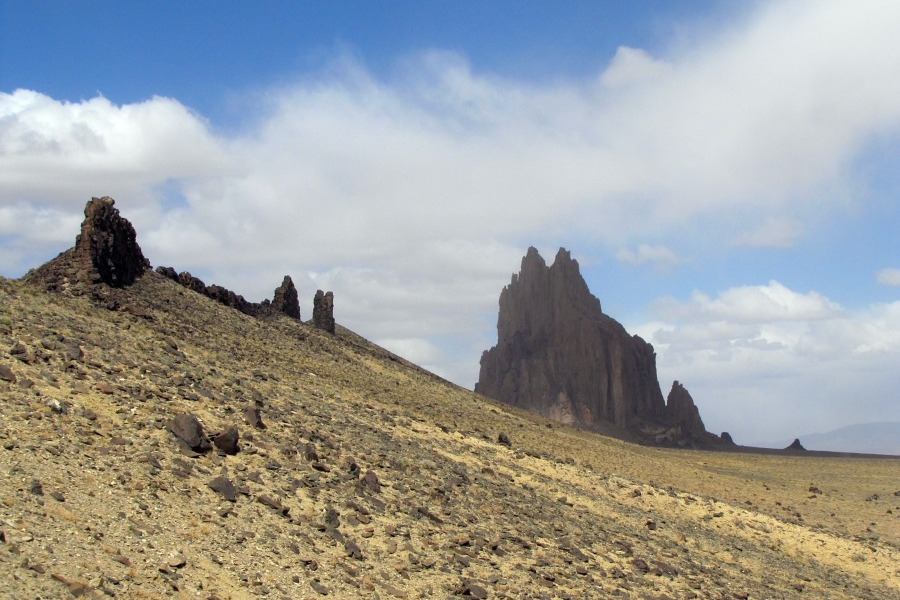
point(318, 587)
point(253, 418)
point(504, 439)
point(223, 486)
point(227, 441)
point(353, 550)
point(36, 488)
point(368, 483)
point(6, 374)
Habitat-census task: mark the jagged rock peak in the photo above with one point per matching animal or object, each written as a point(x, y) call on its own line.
point(795, 445)
point(106, 251)
point(107, 245)
point(559, 355)
point(682, 412)
point(323, 311)
point(286, 299)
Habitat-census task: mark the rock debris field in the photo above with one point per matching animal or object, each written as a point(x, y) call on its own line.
point(157, 444)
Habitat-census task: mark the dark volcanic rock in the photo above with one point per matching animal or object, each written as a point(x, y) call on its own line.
point(6, 374)
point(559, 355)
point(323, 311)
point(795, 445)
point(682, 412)
point(227, 441)
point(253, 417)
point(224, 487)
point(286, 299)
point(106, 251)
point(187, 429)
point(726, 438)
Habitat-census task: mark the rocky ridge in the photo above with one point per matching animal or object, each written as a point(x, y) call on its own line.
point(184, 449)
point(559, 355)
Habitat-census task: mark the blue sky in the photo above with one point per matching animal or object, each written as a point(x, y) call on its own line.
point(725, 173)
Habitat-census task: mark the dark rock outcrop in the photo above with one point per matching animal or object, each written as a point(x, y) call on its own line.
point(795, 445)
point(323, 311)
point(285, 300)
point(105, 252)
point(682, 412)
point(559, 355)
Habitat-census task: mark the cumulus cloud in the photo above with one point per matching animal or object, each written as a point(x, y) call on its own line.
point(889, 277)
point(769, 363)
point(413, 197)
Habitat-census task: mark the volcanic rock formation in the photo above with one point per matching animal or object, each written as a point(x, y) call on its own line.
point(106, 251)
point(558, 354)
point(323, 311)
point(286, 300)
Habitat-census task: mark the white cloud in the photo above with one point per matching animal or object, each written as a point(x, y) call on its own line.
point(889, 277)
point(774, 233)
point(659, 256)
point(630, 66)
point(768, 363)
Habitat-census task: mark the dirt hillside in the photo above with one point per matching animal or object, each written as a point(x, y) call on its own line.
point(341, 471)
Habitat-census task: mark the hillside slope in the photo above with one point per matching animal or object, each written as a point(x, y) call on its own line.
point(373, 478)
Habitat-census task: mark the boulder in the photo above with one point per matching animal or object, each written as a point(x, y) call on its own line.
point(188, 429)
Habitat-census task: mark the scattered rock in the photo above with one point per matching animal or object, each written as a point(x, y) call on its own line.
point(504, 439)
point(253, 417)
point(227, 441)
point(6, 374)
point(188, 429)
point(368, 483)
point(224, 487)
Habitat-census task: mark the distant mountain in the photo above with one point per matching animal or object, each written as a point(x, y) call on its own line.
point(867, 438)
point(863, 438)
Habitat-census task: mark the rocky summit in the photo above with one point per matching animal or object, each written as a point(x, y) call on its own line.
point(106, 251)
point(559, 355)
point(157, 443)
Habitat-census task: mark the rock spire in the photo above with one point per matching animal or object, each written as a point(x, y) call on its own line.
point(105, 252)
point(558, 354)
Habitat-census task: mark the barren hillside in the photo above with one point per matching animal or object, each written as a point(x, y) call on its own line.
point(372, 478)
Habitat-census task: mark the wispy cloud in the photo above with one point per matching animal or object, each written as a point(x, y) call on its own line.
point(888, 276)
point(659, 256)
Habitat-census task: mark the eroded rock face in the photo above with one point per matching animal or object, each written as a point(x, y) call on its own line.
point(559, 355)
point(682, 412)
point(286, 300)
point(107, 245)
point(323, 311)
point(105, 252)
